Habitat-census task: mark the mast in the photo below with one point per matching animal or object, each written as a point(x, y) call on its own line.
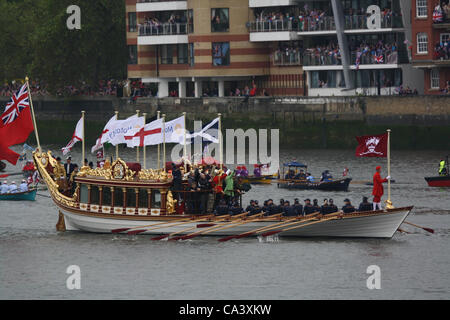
point(143, 147)
point(34, 117)
point(220, 142)
point(117, 146)
point(388, 201)
point(159, 164)
point(137, 148)
point(83, 139)
point(164, 141)
point(184, 138)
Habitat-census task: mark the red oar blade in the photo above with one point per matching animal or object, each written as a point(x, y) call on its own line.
point(429, 230)
point(245, 234)
point(4, 175)
point(189, 236)
point(205, 225)
point(120, 230)
point(226, 238)
point(160, 237)
point(133, 232)
point(266, 234)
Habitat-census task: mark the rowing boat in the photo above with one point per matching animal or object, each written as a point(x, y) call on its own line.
point(116, 197)
point(335, 185)
point(20, 196)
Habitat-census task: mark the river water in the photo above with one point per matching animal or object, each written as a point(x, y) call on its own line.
point(34, 257)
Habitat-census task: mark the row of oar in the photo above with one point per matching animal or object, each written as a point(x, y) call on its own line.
point(228, 222)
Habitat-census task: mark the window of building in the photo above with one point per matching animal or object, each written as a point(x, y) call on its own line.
point(434, 77)
point(132, 55)
point(166, 54)
point(422, 43)
point(219, 20)
point(182, 53)
point(191, 55)
point(221, 53)
point(421, 8)
point(444, 37)
point(132, 23)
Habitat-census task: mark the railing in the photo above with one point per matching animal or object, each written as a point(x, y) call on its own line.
point(164, 29)
point(281, 58)
point(367, 58)
point(322, 59)
point(360, 22)
point(303, 25)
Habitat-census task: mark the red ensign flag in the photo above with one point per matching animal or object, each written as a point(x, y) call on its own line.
point(372, 146)
point(15, 125)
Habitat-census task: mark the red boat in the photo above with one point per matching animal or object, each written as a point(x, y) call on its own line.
point(443, 179)
point(439, 181)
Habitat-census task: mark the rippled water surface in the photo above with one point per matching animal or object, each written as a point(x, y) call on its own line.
point(34, 257)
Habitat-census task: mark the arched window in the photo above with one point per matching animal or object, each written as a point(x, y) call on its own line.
point(422, 43)
point(421, 8)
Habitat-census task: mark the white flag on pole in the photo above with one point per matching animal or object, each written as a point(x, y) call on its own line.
point(119, 128)
point(77, 136)
point(146, 136)
point(98, 143)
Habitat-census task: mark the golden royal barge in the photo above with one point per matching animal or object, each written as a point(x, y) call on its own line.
point(118, 199)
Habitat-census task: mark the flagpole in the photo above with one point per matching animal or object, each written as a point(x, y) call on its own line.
point(145, 167)
point(117, 146)
point(164, 141)
point(220, 141)
point(159, 164)
point(82, 141)
point(137, 149)
point(184, 148)
point(389, 202)
point(34, 117)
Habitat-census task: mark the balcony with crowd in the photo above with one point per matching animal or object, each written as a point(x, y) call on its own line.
point(166, 23)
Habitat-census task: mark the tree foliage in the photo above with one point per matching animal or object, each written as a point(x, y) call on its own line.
point(37, 42)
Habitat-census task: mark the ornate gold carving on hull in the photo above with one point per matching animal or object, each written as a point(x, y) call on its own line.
point(40, 161)
point(154, 175)
point(61, 224)
point(170, 203)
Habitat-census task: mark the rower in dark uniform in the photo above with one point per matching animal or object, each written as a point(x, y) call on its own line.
point(316, 206)
point(235, 209)
point(280, 207)
point(271, 208)
point(333, 207)
point(221, 209)
point(308, 208)
point(324, 209)
point(255, 209)
point(250, 206)
point(348, 208)
point(297, 207)
point(365, 205)
point(288, 210)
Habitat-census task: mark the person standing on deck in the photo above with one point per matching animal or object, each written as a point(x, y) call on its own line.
point(442, 168)
point(378, 190)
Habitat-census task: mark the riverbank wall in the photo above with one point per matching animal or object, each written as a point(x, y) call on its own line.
point(417, 122)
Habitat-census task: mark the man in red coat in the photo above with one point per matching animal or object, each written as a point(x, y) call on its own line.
point(378, 190)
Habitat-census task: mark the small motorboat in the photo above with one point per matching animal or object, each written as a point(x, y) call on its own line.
point(29, 195)
point(302, 183)
point(438, 181)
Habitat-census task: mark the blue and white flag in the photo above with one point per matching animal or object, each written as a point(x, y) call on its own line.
point(209, 133)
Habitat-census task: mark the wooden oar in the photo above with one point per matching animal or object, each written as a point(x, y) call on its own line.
point(222, 227)
point(278, 224)
point(266, 234)
point(202, 225)
point(164, 225)
point(403, 231)
point(10, 174)
point(415, 225)
point(186, 220)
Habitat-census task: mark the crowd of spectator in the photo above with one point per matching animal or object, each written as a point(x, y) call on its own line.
point(441, 12)
point(442, 51)
point(174, 23)
point(323, 55)
point(289, 55)
point(372, 53)
point(40, 88)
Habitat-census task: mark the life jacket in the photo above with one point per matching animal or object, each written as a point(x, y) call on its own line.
point(441, 167)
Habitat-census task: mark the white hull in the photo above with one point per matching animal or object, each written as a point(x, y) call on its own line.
point(372, 225)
